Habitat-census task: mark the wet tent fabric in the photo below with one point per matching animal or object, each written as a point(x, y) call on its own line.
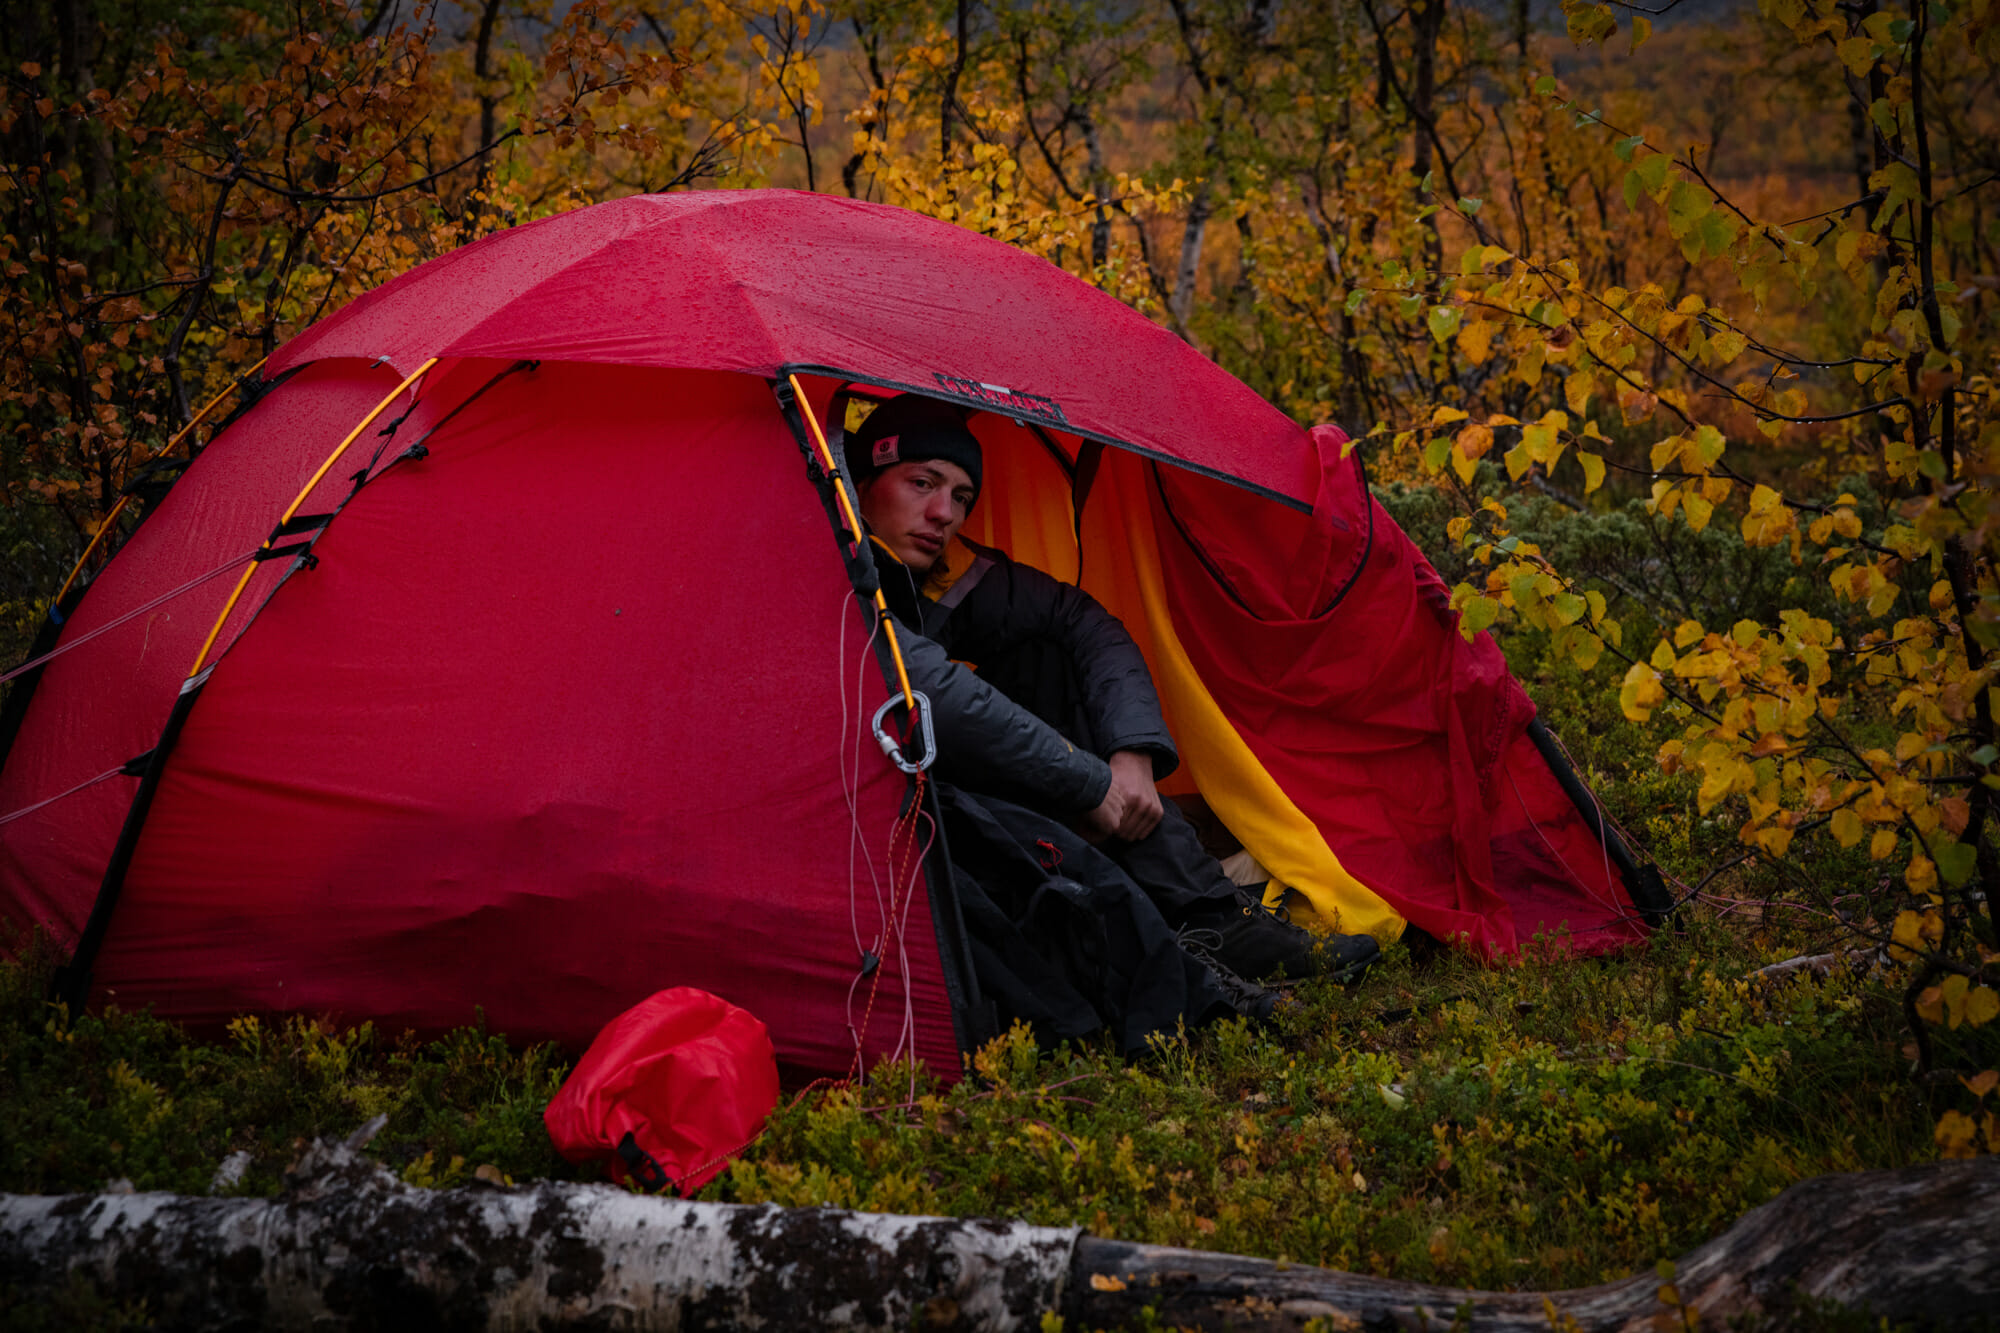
point(1422, 776)
point(757, 279)
point(555, 722)
point(104, 704)
point(559, 718)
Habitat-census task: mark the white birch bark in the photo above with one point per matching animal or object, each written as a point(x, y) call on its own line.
point(348, 1246)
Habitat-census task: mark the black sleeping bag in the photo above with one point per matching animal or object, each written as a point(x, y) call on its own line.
point(1061, 937)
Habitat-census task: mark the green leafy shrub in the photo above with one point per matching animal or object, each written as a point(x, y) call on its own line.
point(1549, 1124)
point(120, 1094)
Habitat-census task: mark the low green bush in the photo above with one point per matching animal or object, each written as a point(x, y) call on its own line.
point(122, 1095)
point(1549, 1123)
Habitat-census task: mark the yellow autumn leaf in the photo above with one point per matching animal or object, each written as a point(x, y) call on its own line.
point(1721, 774)
point(1776, 840)
point(1640, 692)
point(1593, 470)
point(1464, 464)
point(1769, 520)
point(1913, 932)
point(1951, 993)
point(1956, 1136)
point(1476, 340)
point(1697, 509)
point(1577, 390)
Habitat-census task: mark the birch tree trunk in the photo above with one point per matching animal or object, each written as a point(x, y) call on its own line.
point(348, 1246)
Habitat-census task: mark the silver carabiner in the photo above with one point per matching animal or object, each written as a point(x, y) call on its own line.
point(892, 748)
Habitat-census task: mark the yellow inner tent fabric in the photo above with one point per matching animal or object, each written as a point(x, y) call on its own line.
point(1025, 510)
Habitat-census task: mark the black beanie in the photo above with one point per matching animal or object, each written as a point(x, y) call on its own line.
point(912, 429)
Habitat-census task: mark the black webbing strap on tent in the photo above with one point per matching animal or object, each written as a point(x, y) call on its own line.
point(154, 478)
point(71, 984)
point(292, 527)
point(1643, 882)
point(1089, 457)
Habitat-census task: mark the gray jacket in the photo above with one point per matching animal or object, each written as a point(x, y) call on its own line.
point(1059, 686)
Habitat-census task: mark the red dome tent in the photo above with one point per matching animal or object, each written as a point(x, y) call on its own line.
point(550, 690)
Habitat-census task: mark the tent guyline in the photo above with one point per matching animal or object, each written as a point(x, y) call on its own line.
point(125, 499)
point(131, 768)
point(309, 850)
point(71, 983)
point(297, 524)
point(137, 611)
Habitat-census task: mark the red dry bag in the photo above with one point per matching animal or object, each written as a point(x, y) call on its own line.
point(668, 1092)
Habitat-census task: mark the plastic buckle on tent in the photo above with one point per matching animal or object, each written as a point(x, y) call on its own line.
point(892, 748)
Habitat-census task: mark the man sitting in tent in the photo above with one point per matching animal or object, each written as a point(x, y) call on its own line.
point(1059, 733)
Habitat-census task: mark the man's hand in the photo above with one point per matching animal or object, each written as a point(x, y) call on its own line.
point(1131, 808)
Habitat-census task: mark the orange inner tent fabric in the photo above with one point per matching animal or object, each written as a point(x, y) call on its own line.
point(555, 691)
point(1366, 754)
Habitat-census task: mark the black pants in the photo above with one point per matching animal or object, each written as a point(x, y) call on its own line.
point(1061, 936)
point(1174, 869)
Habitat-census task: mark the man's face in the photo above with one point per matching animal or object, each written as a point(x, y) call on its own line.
point(915, 508)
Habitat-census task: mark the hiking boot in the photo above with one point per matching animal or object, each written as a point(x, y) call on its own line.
point(1247, 998)
point(1250, 939)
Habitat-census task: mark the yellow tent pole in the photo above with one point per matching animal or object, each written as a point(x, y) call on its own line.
point(293, 508)
point(161, 452)
point(854, 526)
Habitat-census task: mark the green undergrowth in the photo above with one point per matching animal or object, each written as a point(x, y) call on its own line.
point(1550, 1124)
point(121, 1095)
point(1545, 1124)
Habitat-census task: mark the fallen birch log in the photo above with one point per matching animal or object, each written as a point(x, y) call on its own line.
point(349, 1246)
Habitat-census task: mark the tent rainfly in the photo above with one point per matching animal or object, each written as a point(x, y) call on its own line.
point(504, 651)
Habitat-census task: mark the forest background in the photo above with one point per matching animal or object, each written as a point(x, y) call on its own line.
point(1670, 336)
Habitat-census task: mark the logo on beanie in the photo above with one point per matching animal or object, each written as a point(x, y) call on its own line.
point(885, 451)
